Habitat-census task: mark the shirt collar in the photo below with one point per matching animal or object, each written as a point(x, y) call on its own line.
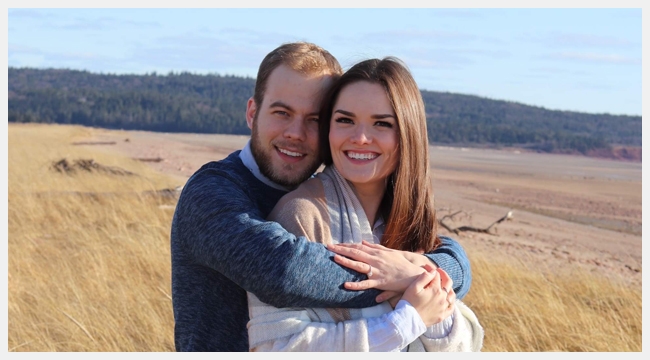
point(379, 222)
point(378, 229)
point(246, 156)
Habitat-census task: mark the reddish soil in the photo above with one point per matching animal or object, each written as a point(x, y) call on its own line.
point(619, 153)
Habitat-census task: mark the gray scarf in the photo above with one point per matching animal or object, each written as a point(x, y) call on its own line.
point(348, 220)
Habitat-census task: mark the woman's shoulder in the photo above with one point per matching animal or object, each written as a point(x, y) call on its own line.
point(303, 211)
point(308, 195)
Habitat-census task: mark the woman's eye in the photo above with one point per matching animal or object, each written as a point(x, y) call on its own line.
point(343, 120)
point(384, 124)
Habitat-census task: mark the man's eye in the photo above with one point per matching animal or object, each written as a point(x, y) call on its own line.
point(282, 113)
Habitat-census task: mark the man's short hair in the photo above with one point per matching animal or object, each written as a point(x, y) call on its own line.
point(303, 57)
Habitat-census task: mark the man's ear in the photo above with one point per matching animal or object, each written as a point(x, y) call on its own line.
point(251, 110)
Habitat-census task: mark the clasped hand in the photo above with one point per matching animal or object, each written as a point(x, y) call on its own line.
point(402, 275)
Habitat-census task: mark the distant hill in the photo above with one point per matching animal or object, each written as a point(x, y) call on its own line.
point(185, 102)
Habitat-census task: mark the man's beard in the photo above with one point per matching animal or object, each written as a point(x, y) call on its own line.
point(265, 164)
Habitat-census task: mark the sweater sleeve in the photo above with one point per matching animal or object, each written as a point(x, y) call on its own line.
point(451, 257)
point(220, 227)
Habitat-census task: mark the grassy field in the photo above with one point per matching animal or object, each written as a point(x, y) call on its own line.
point(89, 265)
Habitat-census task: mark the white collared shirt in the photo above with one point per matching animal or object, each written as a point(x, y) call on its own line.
point(246, 156)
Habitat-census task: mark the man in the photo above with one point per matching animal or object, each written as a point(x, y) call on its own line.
point(221, 244)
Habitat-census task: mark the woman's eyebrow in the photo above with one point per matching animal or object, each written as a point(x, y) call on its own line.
point(375, 116)
point(346, 113)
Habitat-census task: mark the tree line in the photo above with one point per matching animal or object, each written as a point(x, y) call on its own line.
point(213, 103)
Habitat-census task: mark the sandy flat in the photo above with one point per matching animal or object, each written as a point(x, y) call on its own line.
point(569, 212)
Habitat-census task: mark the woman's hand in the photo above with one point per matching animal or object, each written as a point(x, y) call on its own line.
point(432, 295)
point(391, 270)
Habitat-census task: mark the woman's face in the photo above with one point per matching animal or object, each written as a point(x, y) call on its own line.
point(363, 135)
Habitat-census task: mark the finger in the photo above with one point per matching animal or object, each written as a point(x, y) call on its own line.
point(445, 279)
point(435, 281)
point(355, 253)
point(364, 246)
point(423, 281)
point(347, 245)
point(451, 303)
point(452, 297)
point(372, 245)
point(393, 301)
point(352, 264)
point(429, 267)
point(385, 295)
point(448, 311)
point(361, 285)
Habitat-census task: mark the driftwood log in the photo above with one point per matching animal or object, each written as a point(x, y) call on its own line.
point(88, 165)
point(94, 143)
point(463, 228)
point(156, 159)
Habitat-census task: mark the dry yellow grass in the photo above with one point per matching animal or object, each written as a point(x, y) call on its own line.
point(86, 273)
point(527, 310)
point(89, 266)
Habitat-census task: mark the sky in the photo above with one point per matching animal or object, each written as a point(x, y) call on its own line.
point(575, 59)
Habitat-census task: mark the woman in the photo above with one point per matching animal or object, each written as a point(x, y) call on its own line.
point(375, 187)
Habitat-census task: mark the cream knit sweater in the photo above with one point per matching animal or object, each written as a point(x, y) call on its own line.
point(326, 207)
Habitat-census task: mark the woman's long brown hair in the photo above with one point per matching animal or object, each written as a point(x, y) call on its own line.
point(408, 205)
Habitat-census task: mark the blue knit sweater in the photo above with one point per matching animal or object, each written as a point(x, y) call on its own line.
point(221, 247)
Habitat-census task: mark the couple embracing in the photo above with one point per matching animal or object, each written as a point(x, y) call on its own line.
point(268, 255)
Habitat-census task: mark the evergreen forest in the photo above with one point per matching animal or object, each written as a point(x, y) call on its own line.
point(212, 103)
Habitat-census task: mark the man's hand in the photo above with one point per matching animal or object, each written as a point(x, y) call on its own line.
point(391, 270)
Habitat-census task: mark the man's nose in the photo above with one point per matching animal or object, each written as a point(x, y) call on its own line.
point(296, 130)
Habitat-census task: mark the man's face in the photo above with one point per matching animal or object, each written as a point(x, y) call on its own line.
point(284, 138)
